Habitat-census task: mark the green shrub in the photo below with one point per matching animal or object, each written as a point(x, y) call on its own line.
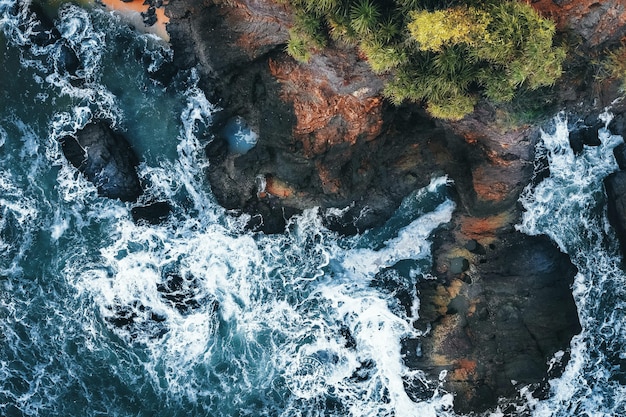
point(364, 16)
point(442, 53)
point(453, 107)
point(306, 35)
point(298, 47)
point(382, 57)
point(502, 47)
point(438, 29)
point(614, 65)
point(340, 29)
point(321, 7)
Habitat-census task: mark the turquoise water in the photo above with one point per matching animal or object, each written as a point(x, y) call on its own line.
point(100, 316)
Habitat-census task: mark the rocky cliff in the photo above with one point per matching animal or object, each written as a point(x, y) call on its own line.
point(501, 306)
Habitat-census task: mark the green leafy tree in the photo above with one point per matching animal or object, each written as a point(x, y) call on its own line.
point(443, 53)
point(460, 25)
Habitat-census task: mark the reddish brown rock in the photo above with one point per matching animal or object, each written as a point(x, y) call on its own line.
point(328, 112)
point(596, 22)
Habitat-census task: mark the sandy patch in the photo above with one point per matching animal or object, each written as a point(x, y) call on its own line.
point(131, 12)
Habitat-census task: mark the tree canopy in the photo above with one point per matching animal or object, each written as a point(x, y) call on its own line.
point(446, 54)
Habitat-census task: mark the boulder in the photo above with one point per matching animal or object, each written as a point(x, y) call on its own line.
point(106, 159)
point(66, 61)
point(584, 135)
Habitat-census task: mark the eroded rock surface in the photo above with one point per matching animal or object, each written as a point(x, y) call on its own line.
point(498, 323)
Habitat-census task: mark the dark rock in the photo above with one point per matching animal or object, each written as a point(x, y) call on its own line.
point(620, 155)
point(617, 125)
point(149, 17)
point(154, 213)
point(473, 246)
point(66, 61)
point(137, 320)
point(180, 292)
point(584, 135)
point(615, 185)
point(164, 74)
point(217, 149)
point(503, 326)
point(106, 159)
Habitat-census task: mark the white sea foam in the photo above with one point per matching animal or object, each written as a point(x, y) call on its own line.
point(569, 207)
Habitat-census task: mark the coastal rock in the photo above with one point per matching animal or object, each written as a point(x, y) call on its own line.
point(495, 330)
point(328, 139)
point(620, 155)
point(583, 135)
point(324, 130)
point(153, 213)
point(595, 23)
point(106, 159)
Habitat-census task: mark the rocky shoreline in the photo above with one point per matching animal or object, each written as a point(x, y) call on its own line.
point(501, 305)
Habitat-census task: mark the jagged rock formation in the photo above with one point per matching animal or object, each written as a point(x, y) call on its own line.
point(328, 139)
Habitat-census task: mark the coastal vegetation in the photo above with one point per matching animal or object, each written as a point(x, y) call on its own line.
point(446, 54)
point(614, 65)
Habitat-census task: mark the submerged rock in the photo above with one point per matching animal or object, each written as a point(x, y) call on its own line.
point(43, 33)
point(106, 159)
point(137, 321)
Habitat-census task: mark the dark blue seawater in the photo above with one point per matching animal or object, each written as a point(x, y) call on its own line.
point(100, 316)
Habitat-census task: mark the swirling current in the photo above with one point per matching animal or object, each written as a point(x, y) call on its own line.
point(101, 316)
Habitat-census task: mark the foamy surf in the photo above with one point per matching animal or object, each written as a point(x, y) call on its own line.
point(569, 206)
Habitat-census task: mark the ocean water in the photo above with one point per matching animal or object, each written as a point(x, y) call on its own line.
point(100, 316)
point(197, 316)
